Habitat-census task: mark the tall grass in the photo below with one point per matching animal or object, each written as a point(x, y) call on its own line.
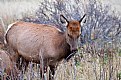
point(11, 11)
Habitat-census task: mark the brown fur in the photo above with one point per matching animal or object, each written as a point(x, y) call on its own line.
point(36, 41)
point(29, 40)
point(32, 41)
point(7, 65)
point(74, 28)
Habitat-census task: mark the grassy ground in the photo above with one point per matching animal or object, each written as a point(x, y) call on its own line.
point(92, 63)
point(88, 64)
point(13, 10)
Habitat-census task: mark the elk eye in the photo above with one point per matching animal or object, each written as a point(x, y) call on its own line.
point(70, 36)
point(78, 35)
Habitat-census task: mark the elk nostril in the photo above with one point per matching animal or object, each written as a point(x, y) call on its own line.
point(74, 50)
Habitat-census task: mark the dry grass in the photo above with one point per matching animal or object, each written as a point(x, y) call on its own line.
point(90, 66)
point(13, 10)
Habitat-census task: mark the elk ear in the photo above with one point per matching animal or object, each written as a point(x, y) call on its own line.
point(63, 20)
point(82, 19)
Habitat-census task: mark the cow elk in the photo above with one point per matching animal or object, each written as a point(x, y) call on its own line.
point(7, 66)
point(43, 44)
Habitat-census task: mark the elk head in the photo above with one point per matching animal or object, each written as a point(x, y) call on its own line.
point(73, 32)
